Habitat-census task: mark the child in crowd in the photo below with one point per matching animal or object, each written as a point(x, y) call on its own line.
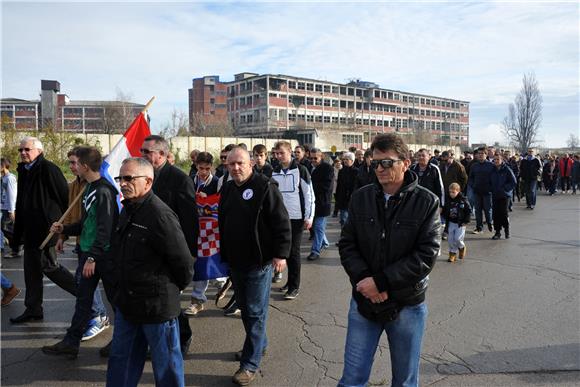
point(457, 214)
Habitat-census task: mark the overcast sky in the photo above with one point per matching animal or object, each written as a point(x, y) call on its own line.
point(471, 51)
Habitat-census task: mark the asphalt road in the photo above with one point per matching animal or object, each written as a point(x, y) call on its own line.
point(508, 315)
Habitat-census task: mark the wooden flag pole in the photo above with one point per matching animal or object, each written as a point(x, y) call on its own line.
point(75, 200)
point(68, 210)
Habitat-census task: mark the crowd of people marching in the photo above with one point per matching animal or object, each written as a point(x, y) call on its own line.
point(243, 222)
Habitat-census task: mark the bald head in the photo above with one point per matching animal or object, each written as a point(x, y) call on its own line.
point(239, 165)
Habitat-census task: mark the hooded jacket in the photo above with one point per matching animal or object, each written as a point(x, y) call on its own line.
point(396, 242)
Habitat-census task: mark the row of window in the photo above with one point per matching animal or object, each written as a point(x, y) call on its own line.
point(358, 92)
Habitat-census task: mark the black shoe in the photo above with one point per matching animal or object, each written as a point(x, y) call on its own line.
point(291, 294)
point(496, 236)
point(106, 350)
point(489, 227)
point(313, 257)
point(284, 288)
point(26, 317)
point(61, 349)
point(185, 346)
point(277, 278)
point(531, 207)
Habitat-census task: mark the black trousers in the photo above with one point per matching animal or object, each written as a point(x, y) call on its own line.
point(500, 213)
point(294, 259)
point(564, 183)
point(43, 262)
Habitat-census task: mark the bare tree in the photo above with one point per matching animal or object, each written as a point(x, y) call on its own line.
point(522, 123)
point(119, 114)
point(573, 141)
point(177, 126)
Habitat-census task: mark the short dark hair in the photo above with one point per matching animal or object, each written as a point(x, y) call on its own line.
point(204, 157)
point(259, 148)
point(89, 156)
point(482, 149)
point(5, 162)
point(368, 153)
point(72, 152)
point(160, 141)
point(390, 142)
point(229, 147)
point(300, 147)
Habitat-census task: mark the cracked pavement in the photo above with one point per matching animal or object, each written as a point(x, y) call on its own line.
point(508, 315)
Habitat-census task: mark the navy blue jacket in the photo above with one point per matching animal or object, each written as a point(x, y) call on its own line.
point(480, 176)
point(503, 181)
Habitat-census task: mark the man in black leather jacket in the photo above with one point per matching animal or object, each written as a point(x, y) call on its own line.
point(388, 246)
point(152, 264)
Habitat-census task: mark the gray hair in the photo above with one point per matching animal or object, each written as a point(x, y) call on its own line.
point(315, 150)
point(35, 141)
point(160, 142)
point(348, 155)
point(142, 164)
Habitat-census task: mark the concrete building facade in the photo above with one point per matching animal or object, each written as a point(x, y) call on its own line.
point(58, 111)
point(327, 114)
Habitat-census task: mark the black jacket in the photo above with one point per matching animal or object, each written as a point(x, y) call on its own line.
point(396, 243)
point(431, 179)
point(322, 178)
point(99, 216)
point(176, 190)
point(366, 175)
point(530, 169)
point(266, 170)
point(258, 204)
point(42, 199)
point(345, 186)
point(457, 210)
point(151, 261)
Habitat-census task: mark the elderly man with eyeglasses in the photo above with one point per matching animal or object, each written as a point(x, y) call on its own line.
point(389, 245)
point(152, 263)
point(42, 199)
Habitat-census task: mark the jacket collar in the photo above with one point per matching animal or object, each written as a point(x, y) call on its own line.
point(410, 182)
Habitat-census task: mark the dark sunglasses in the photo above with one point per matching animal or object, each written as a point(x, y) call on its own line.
point(126, 178)
point(385, 163)
point(146, 151)
point(24, 150)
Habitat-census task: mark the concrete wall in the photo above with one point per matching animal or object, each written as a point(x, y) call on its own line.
point(182, 146)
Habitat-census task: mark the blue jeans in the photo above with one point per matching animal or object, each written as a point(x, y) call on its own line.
point(471, 199)
point(252, 290)
point(482, 202)
point(319, 240)
point(129, 349)
point(88, 305)
point(342, 216)
point(530, 187)
point(455, 237)
point(404, 334)
point(6, 283)
point(98, 307)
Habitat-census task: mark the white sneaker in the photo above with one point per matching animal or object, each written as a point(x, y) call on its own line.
point(95, 327)
point(193, 309)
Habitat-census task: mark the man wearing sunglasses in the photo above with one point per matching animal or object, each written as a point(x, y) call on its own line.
point(175, 189)
point(152, 264)
point(388, 247)
point(42, 199)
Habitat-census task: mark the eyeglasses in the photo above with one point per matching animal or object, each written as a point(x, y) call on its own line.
point(147, 151)
point(385, 163)
point(20, 150)
point(126, 178)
